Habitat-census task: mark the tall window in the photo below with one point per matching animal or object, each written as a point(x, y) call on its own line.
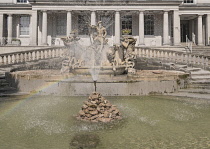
point(22, 1)
point(61, 24)
point(83, 23)
point(189, 1)
point(149, 24)
point(127, 23)
point(107, 21)
point(24, 25)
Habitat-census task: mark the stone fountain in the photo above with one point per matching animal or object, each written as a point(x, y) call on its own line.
point(99, 57)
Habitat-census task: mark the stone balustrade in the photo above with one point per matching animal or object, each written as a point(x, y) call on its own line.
point(28, 56)
point(174, 57)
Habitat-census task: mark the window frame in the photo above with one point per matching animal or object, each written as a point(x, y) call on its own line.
point(151, 30)
point(29, 24)
point(22, 2)
point(85, 31)
point(127, 24)
point(61, 18)
point(185, 3)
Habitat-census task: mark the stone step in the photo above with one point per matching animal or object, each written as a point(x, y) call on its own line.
point(195, 90)
point(202, 77)
point(199, 86)
point(8, 89)
point(191, 95)
point(192, 70)
point(200, 72)
point(2, 84)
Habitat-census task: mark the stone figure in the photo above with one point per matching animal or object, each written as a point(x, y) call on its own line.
point(98, 34)
point(128, 43)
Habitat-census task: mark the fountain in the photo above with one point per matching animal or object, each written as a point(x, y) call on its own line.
point(99, 57)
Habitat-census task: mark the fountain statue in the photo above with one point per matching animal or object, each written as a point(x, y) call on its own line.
point(99, 56)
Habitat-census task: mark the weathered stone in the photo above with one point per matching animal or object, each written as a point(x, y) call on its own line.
point(86, 111)
point(105, 120)
point(81, 112)
point(106, 114)
point(94, 112)
point(98, 109)
point(84, 106)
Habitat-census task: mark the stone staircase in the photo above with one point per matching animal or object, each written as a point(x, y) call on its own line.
point(4, 84)
point(199, 84)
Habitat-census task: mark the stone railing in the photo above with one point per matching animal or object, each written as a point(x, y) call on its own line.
point(28, 56)
point(174, 57)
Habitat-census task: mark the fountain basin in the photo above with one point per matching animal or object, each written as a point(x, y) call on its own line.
point(105, 70)
point(51, 82)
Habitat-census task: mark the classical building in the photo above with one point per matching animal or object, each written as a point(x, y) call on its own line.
point(152, 22)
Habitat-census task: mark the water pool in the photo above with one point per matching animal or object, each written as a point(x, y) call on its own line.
point(48, 122)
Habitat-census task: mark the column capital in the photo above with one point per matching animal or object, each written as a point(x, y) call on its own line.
point(117, 11)
point(10, 15)
point(200, 15)
point(44, 11)
point(69, 10)
point(141, 11)
point(166, 11)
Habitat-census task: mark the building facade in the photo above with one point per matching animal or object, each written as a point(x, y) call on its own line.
point(152, 22)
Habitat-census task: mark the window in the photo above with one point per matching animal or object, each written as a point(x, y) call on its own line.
point(22, 1)
point(61, 24)
point(83, 24)
point(127, 23)
point(107, 21)
point(189, 1)
point(24, 25)
point(149, 25)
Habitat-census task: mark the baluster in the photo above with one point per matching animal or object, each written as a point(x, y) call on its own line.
point(21, 58)
point(17, 58)
point(155, 53)
point(158, 54)
point(13, 58)
point(5, 60)
point(29, 56)
point(45, 54)
point(50, 54)
point(33, 55)
point(189, 59)
point(147, 53)
point(61, 52)
point(42, 54)
point(9, 59)
point(206, 61)
point(26, 56)
point(199, 60)
point(37, 55)
point(53, 53)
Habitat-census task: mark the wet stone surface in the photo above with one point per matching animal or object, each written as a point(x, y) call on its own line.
point(98, 109)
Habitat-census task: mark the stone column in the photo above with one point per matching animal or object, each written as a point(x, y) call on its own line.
point(177, 33)
point(34, 26)
point(207, 29)
point(44, 28)
point(141, 28)
point(93, 17)
point(1, 29)
point(117, 27)
point(40, 29)
point(165, 29)
point(69, 23)
point(200, 30)
point(9, 39)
